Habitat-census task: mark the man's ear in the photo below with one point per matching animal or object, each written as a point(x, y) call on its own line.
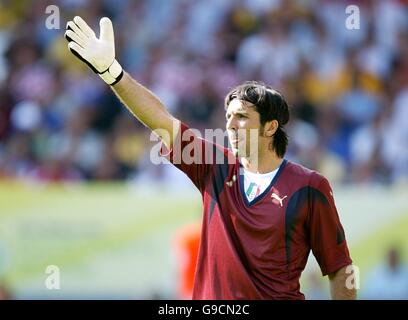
point(270, 128)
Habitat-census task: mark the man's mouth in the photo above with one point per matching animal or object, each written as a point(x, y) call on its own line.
point(234, 142)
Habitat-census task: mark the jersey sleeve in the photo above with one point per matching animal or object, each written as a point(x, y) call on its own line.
point(194, 156)
point(327, 237)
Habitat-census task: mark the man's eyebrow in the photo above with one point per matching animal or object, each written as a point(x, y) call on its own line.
point(237, 112)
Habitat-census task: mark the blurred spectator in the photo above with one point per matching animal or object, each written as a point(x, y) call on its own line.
point(5, 292)
point(186, 245)
point(389, 280)
point(367, 146)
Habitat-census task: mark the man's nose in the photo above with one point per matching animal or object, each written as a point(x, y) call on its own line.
point(231, 124)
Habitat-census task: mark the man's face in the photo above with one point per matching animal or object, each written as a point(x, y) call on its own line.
point(243, 127)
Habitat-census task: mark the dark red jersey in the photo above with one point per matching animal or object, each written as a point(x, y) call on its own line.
point(258, 250)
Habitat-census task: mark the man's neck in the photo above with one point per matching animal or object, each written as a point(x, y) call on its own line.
point(264, 164)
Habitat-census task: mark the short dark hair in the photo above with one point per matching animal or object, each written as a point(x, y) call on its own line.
point(270, 104)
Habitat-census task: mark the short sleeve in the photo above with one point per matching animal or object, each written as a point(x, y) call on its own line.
point(194, 156)
point(327, 237)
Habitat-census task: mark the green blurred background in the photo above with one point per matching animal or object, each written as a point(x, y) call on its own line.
point(115, 241)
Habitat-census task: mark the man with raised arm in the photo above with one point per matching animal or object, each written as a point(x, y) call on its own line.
point(262, 214)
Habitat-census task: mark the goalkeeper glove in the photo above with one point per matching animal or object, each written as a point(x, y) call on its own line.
point(98, 54)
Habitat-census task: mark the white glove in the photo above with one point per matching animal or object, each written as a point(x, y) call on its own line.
point(98, 54)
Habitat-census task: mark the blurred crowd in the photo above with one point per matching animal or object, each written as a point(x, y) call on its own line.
point(348, 89)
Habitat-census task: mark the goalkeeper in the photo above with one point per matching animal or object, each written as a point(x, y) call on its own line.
point(262, 214)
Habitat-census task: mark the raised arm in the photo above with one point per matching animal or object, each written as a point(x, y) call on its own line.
point(146, 107)
point(99, 55)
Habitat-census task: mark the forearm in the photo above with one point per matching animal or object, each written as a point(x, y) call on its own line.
point(340, 287)
point(145, 106)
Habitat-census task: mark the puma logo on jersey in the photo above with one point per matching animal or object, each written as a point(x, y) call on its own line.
point(230, 183)
point(276, 197)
